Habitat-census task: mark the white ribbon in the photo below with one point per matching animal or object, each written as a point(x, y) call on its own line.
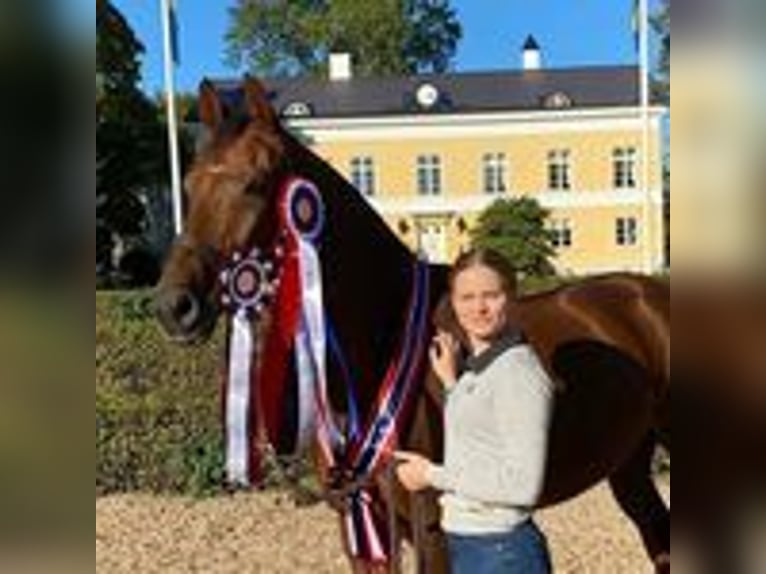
point(306, 389)
point(312, 340)
point(238, 400)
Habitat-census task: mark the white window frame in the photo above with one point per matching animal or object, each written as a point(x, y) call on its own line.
point(626, 231)
point(362, 172)
point(559, 170)
point(624, 167)
point(563, 234)
point(494, 173)
point(429, 174)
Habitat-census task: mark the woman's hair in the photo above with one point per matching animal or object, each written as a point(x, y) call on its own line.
point(488, 258)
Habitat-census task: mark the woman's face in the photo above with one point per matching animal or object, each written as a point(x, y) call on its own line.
point(479, 301)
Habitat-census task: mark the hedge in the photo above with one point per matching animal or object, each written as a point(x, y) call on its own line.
point(157, 403)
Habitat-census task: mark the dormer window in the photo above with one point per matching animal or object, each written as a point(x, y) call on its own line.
point(297, 110)
point(557, 101)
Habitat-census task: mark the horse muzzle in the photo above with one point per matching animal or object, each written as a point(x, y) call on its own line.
point(184, 316)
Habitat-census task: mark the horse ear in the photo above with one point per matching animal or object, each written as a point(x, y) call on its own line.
point(210, 107)
point(257, 102)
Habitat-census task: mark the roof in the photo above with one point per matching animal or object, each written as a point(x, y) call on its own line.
point(466, 92)
point(531, 43)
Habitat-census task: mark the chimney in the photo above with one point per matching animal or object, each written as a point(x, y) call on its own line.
point(531, 54)
point(340, 66)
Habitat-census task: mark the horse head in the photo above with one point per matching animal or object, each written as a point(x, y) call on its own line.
point(229, 206)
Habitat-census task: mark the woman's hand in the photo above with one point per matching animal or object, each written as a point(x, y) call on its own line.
point(444, 356)
point(412, 470)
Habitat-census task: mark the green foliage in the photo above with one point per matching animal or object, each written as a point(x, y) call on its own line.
point(432, 36)
point(157, 404)
point(131, 142)
point(158, 409)
point(516, 228)
point(118, 66)
point(186, 106)
point(660, 22)
point(386, 37)
point(538, 283)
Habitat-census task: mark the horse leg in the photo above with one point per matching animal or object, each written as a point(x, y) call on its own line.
point(637, 495)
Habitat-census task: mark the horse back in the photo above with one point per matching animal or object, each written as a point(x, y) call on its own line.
point(606, 343)
point(627, 313)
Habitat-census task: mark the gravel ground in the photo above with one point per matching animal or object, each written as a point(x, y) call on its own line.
point(266, 533)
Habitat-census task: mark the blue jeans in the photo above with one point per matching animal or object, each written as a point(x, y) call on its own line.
point(523, 550)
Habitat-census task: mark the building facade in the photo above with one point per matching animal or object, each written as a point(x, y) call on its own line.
point(431, 152)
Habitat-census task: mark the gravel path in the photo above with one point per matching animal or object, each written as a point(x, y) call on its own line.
point(265, 533)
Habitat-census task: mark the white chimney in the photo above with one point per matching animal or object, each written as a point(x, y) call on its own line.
point(532, 59)
point(340, 66)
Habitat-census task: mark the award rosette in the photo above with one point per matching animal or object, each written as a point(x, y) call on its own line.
point(287, 283)
point(304, 219)
point(248, 285)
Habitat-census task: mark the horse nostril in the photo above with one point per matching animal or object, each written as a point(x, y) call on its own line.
point(178, 310)
point(186, 309)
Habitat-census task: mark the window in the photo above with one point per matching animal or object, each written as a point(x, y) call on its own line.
point(627, 231)
point(624, 167)
point(495, 172)
point(363, 175)
point(297, 109)
point(561, 233)
point(559, 170)
point(429, 175)
point(557, 101)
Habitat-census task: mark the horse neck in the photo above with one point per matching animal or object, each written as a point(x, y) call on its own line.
point(367, 271)
point(355, 236)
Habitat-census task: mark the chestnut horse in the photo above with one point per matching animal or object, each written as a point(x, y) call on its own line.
point(605, 340)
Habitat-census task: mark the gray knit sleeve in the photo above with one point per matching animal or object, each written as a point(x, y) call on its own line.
point(513, 474)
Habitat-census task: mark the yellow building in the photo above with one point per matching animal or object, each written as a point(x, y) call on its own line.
point(431, 152)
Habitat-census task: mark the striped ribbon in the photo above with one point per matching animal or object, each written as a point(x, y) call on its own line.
point(364, 532)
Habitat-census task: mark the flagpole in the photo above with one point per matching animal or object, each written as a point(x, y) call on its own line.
point(647, 216)
point(170, 104)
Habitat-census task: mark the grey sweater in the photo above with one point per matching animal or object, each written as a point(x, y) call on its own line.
point(496, 428)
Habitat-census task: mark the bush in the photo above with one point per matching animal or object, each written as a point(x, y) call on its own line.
point(158, 423)
point(158, 418)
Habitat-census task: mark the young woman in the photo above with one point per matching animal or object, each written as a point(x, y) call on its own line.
point(496, 426)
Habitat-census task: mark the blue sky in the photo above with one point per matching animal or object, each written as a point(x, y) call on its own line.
point(571, 33)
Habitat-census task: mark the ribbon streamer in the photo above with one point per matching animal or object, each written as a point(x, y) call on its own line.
point(238, 400)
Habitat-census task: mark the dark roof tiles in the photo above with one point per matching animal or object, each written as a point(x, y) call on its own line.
point(466, 92)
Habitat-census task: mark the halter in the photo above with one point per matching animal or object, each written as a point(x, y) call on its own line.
point(286, 278)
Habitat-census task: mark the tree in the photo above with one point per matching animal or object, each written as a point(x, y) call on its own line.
point(661, 26)
point(186, 106)
point(385, 37)
point(516, 228)
point(131, 147)
point(118, 67)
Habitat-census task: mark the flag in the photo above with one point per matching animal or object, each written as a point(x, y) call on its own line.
point(173, 20)
point(635, 23)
